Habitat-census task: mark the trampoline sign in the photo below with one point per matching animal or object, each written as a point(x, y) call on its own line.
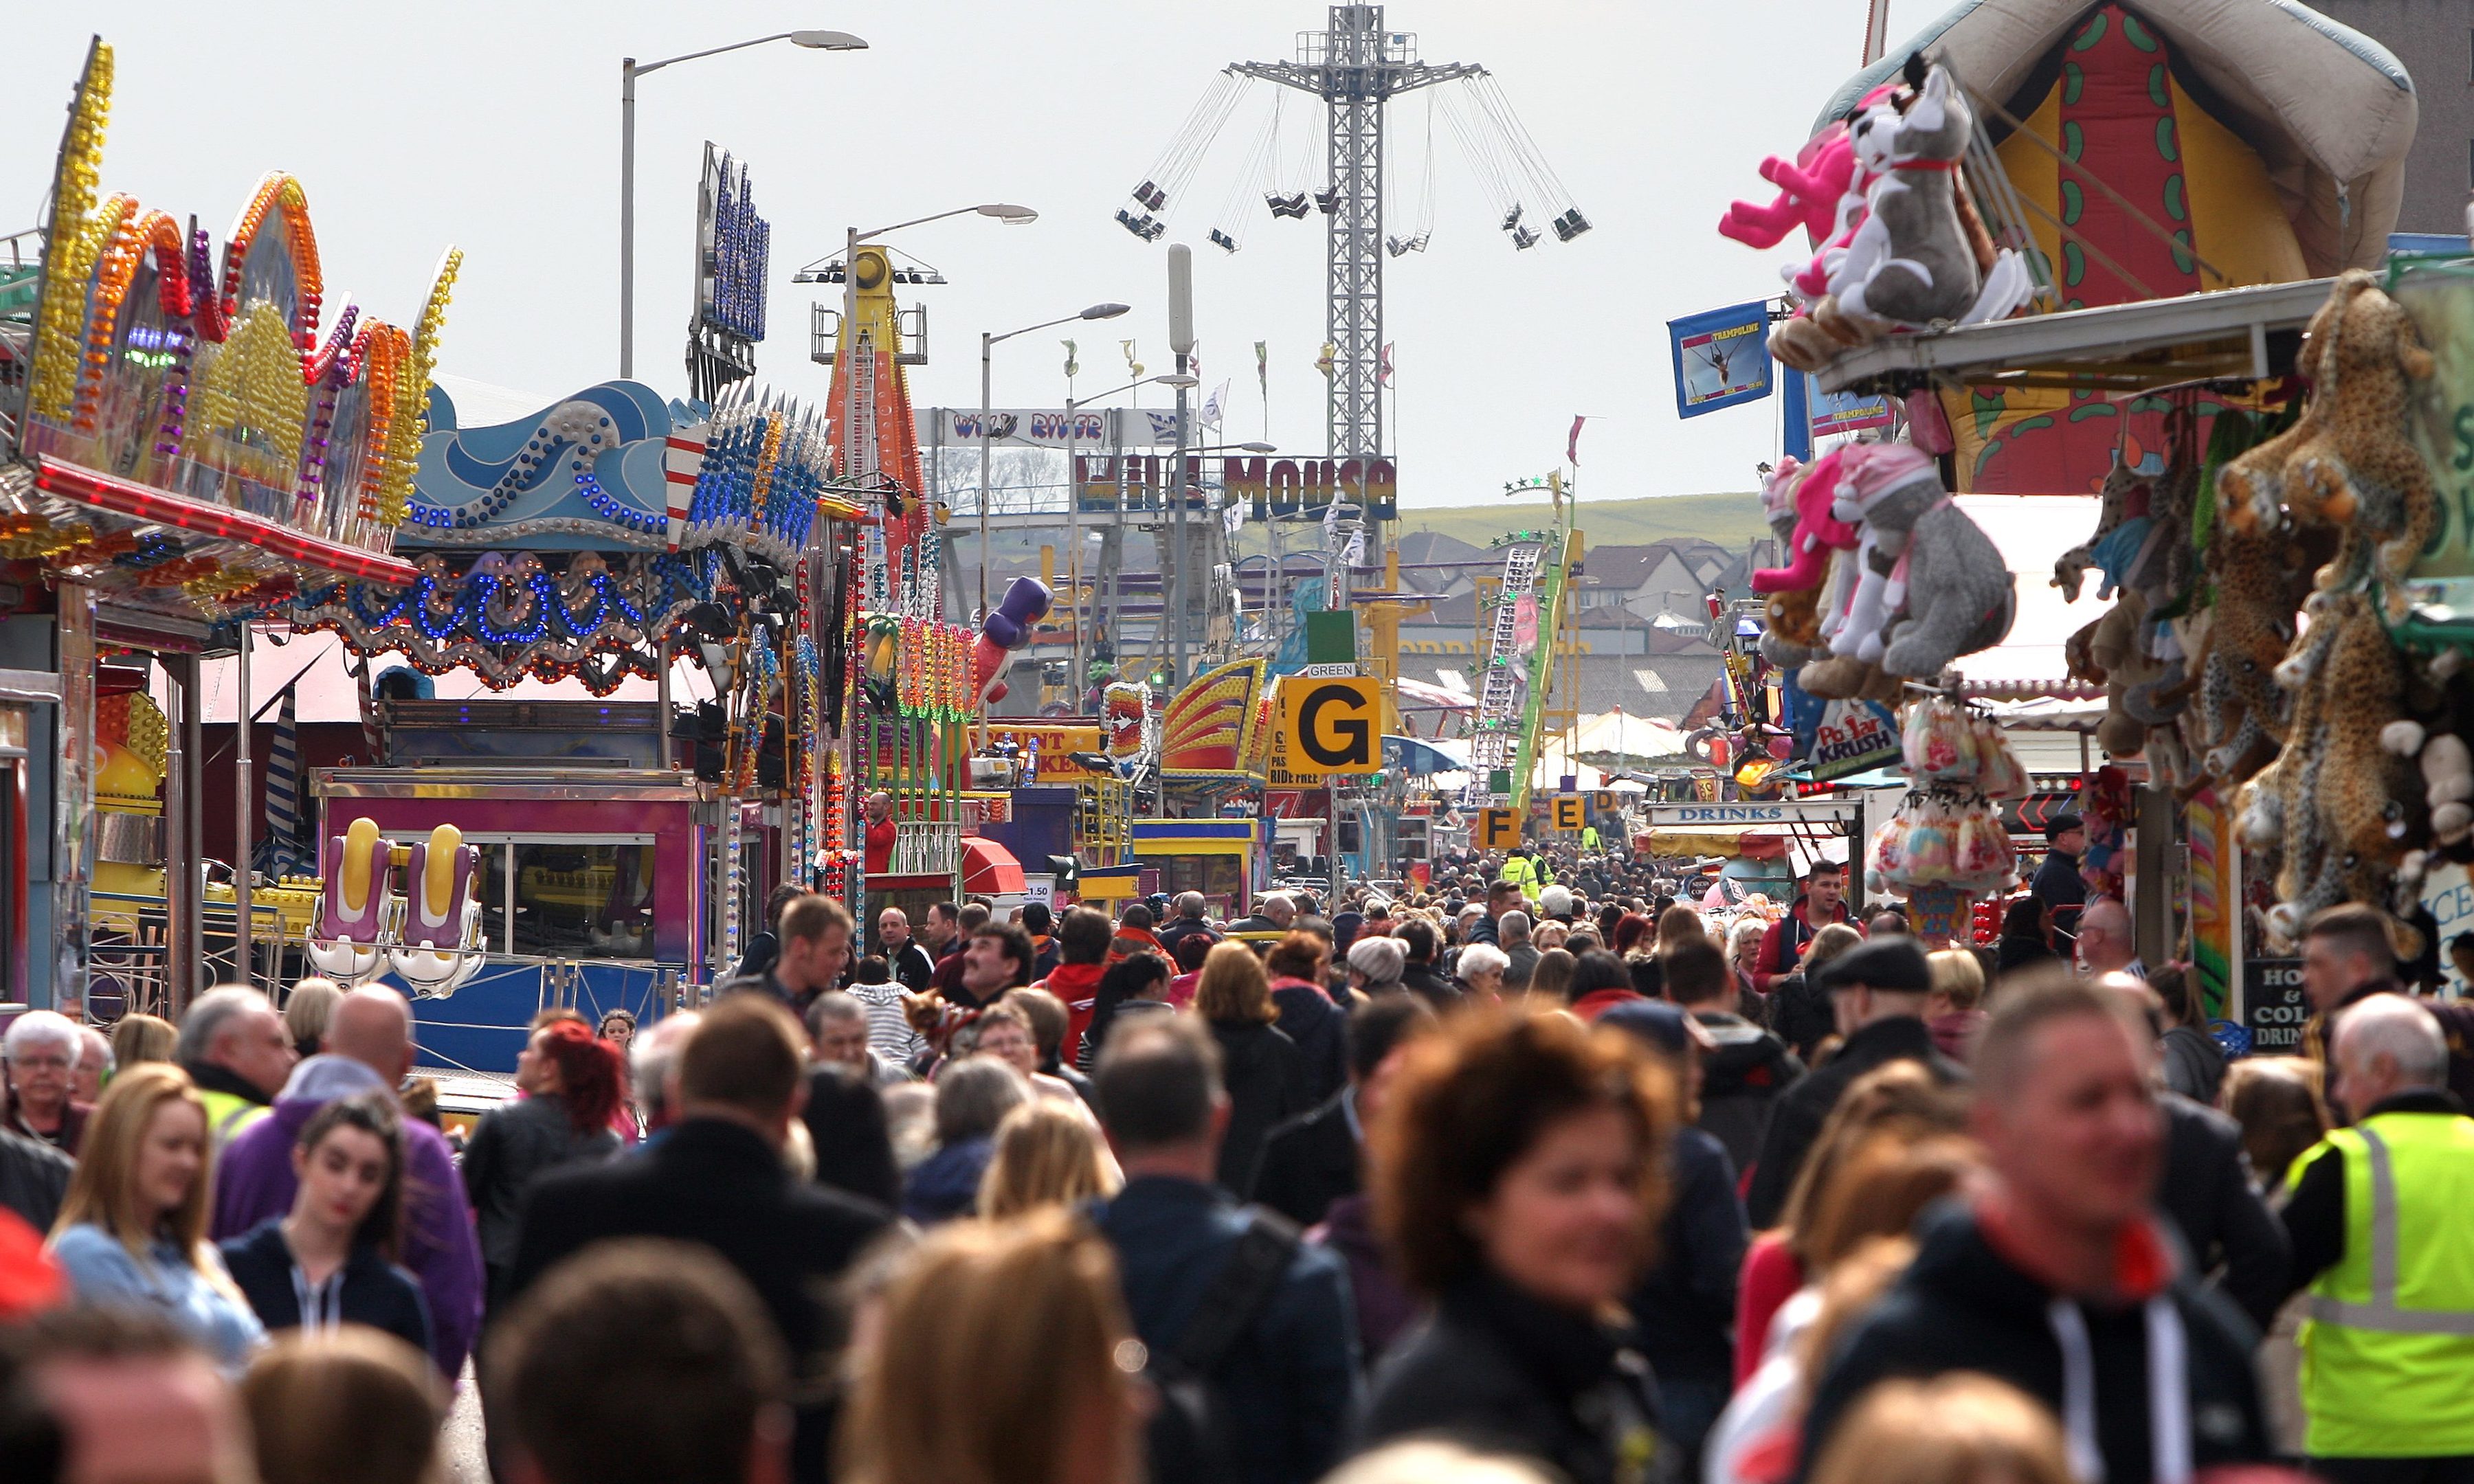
point(1722, 357)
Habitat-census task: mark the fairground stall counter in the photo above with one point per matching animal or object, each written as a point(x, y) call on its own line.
point(2197, 328)
point(190, 447)
point(620, 845)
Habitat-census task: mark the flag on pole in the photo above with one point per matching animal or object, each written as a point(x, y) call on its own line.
point(1384, 378)
point(1263, 366)
point(1131, 364)
point(1324, 362)
point(1073, 366)
point(1214, 405)
point(1572, 446)
point(279, 851)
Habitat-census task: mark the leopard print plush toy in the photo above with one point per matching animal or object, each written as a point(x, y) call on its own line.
point(2349, 463)
point(2251, 626)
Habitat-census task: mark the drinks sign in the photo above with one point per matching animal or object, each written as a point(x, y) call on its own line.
point(2274, 1006)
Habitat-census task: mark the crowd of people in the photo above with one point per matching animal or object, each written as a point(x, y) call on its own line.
point(1511, 1179)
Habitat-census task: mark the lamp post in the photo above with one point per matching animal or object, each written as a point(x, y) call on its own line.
point(987, 344)
point(1073, 510)
point(629, 70)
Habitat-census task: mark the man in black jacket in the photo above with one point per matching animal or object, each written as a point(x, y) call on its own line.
point(1288, 1384)
point(2206, 1192)
point(1189, 920)
point(1420, 973)
point(717, 1178)
point(2057, 1278)
point(1876, 991)
point(1312, 1161)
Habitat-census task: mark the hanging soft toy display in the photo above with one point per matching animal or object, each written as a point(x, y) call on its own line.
point(1930, 583)
point(2349, 463)
point(1798, 498)
point(1913, 262)
point(1008, 629)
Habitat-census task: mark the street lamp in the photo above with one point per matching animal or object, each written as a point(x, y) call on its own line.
point(629, 70)
point(987, 344)
point(1074, 502)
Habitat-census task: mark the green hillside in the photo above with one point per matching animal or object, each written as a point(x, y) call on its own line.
point(1728, 519)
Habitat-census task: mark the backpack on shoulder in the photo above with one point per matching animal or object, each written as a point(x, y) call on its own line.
point(1191, 1432)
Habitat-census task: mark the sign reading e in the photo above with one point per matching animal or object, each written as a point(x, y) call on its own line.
point(1331, 725)
point(1571, 813)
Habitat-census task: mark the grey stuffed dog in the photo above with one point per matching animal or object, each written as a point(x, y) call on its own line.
point(1958, 598)
point(1912, 262)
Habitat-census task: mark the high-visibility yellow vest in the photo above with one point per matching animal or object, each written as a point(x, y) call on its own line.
point(227, 1114)
point(1520, 871)
point(2388, 1349)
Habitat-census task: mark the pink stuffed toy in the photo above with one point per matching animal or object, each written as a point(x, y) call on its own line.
point(1810, 187)
point(1816, 532)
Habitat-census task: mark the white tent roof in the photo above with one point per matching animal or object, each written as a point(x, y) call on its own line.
point(1620, 733)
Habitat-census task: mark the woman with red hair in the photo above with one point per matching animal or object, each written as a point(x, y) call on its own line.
point(572, 1081)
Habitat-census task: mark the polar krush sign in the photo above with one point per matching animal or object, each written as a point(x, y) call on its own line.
point(1270, 487)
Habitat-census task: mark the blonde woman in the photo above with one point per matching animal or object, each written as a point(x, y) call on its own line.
point(132, 1229)
point(1027, 1317)
point(1045, 1156)
point(1961, 1429)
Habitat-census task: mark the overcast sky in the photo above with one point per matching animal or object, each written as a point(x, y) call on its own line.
point(495, 126)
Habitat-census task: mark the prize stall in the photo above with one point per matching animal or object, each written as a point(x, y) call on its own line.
point(2160, 247)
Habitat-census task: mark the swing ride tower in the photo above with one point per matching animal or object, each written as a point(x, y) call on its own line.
point(1355, 68)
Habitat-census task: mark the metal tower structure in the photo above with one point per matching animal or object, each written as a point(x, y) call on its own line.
point(1355, 68)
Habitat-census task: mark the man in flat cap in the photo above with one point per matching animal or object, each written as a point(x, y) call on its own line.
point(1876, 991)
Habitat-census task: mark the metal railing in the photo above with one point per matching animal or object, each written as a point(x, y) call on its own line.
point(926, 848)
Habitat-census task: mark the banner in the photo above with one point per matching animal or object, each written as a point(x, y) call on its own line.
point(1722, 357)
point(1852, 738)
point(1844, 411)
point(1045, 427)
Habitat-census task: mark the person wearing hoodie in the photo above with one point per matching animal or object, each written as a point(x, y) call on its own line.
point(1745, 1069)
point(331, 1260)
point(370, 1049)
point(2056, 1276)
point(1265, 1076)
point(1299, 966)
point(1822, 904)
point(1082, 956)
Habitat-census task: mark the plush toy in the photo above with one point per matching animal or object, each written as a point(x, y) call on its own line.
point(2164, 562)
point(2365, 474)
point(1947, 591)
point(2121, 527)
point(1870, 475)
point(1811, 532)
point(1793, 619)
point(1810, 189)
point(2347, 461)
point(2251, 626)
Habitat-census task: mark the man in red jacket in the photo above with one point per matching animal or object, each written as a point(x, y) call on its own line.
point(1822, 904)
point(881, 833)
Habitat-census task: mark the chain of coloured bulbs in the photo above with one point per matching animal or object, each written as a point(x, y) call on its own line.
point(51, 384)
point(112, 246)
point(279, 194)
